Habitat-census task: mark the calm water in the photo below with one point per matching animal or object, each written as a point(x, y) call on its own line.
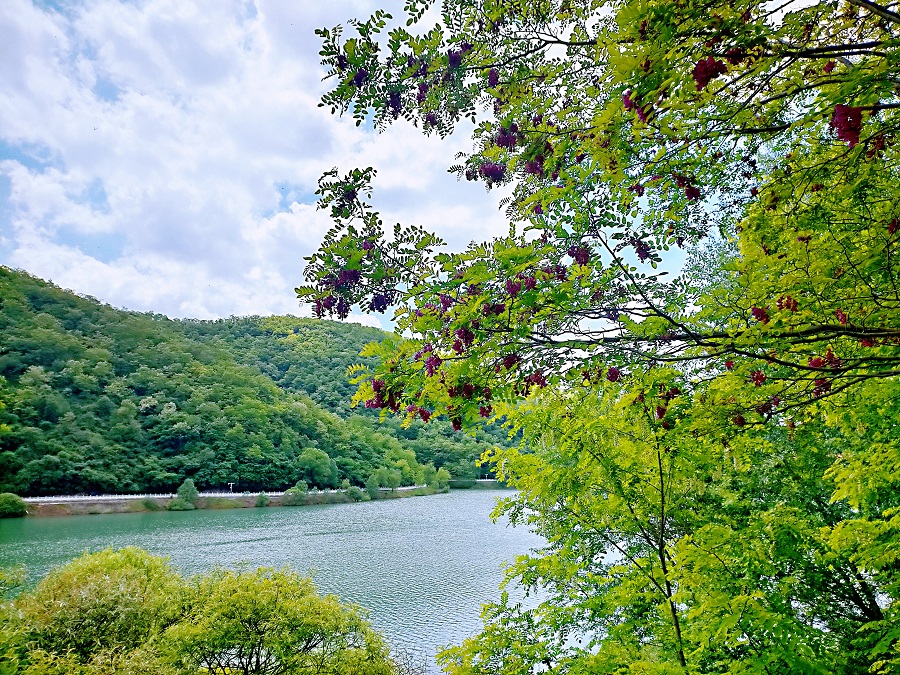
point(422, 566)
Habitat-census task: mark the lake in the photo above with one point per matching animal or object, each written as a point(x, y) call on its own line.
point(422, 566)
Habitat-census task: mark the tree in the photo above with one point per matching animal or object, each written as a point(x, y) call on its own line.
point(188, 491)
point(629, 130)
point(100, 601)
point(12, 506)
point(272, 621)
point(696, 450)
point(129, 612)
point(317, 468)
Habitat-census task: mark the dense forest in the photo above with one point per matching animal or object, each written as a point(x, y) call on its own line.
point(101, 400)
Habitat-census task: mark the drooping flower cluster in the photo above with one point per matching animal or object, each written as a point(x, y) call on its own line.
point(847, 123)
point(787, 302)
point(507, 138)
point(707, 70)
point(492, 171)
point(360, 77)
point(761, 314)
point(580, 254)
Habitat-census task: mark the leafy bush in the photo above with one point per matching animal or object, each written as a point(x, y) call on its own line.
point(295, 496)
point(128, 612)
point(188, 492)
point(262, 500)
point(11, 506)
point(357, 494)
point(100, 601)
point(179, 504)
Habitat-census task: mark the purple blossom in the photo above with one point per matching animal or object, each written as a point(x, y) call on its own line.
point(613, 374)
point(493, 77)
point(707, 70)
point(394, 103)
point(493, 172)
point(360, 77)
point(454, 58)
point(367, 245)
point(847, 122)
point(379, 303)
point(432, 363)
point(513, 287)
point(423, 91)
point(347, 278)
point(506, 138)
point(580, 254)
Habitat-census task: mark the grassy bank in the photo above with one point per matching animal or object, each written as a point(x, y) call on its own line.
point(242, 501)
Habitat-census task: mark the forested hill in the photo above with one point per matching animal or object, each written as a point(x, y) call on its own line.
point(102, 400)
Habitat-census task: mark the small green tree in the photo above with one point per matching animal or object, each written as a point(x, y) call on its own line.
point(372, 486)
point(295, 496)
point(428, 474)
point(442, 478)
point(100, 601)
point(262, 499)
point(188, 492)
point(317, 468)
point(271, 621)
point(357, 495)
point(11, 506)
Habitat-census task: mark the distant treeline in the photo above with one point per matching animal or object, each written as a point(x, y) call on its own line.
point(103, 400)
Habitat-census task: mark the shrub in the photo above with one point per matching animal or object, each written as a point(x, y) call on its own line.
point(295, 496)
point(187, 491)
point(262, 500)
point(179, 504)
point(11, 506)
point(128, 612)
point(100, 601)
point(357, 495)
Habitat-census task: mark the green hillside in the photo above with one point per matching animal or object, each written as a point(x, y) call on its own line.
point(102, 400)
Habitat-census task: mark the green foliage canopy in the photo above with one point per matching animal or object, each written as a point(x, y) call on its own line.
point(713, 453)
point(129, 612)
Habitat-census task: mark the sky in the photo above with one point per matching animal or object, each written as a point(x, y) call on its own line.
point(162, 155)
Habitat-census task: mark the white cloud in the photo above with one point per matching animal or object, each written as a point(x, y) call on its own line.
point(162, 155)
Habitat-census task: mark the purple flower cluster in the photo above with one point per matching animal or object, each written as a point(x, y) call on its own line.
point(513, 287)
point(580, 254)
point(465, 335)
point(347, 278)
point(707, 70)
point(537, 378)
point(423, 92)
point(493, 172)
point(847, 122)
point(641, 248)
point(394, 104)
point(493, 310)
point(454, 58)
point(493, 77)
point(379, 303)
point(507, 138)
point(360, 77)
point(432, 364)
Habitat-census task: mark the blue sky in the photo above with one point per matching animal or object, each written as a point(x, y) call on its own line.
point(161, 155)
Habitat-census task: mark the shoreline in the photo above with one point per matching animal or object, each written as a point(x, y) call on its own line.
point(137, 504)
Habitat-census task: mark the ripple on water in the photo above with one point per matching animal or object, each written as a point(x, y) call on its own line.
point(422, 567)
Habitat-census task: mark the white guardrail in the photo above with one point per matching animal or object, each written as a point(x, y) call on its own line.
point(164, 495)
